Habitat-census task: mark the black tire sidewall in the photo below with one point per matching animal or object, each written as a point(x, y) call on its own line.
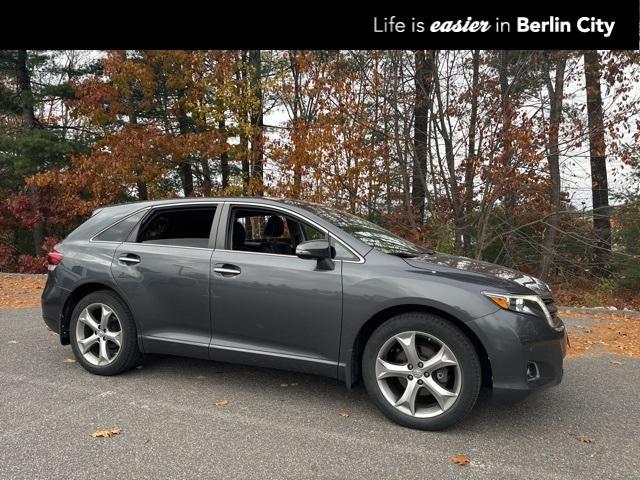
point(129, 354)
point(459, 344)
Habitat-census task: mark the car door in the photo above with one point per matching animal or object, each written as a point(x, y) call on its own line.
point(269, 307)
point(163, 272)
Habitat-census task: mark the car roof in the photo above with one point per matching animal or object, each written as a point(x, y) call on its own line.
point(145, 203)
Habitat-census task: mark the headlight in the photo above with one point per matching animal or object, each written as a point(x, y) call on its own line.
point(529, 304)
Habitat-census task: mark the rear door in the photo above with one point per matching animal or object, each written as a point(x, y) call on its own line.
point(163, 271)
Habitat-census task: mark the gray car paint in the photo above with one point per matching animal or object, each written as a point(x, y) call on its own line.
point(283, 312)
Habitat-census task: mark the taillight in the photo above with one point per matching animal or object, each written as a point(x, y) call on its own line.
point(54, 257)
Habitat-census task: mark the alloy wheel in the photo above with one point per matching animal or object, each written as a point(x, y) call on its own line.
point(99, 334)
point(418, 374)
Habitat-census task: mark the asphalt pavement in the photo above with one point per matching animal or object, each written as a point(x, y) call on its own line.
point(287, 425)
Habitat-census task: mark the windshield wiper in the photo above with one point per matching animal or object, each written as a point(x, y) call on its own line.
point(403, 254)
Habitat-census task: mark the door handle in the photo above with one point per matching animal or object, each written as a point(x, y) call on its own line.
point(226, 270)
point(129, 259)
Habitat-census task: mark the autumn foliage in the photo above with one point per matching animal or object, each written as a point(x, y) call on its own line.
point(450, 148)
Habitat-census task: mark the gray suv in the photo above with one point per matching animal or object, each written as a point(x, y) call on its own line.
point(300, 286)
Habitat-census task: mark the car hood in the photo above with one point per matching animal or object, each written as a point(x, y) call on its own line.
point(468, 269)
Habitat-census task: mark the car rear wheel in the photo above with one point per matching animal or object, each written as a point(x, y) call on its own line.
point(103, 334)
point(421, 371)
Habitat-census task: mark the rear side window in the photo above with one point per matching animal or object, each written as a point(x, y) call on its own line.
point(185, 227)
point(121, 230)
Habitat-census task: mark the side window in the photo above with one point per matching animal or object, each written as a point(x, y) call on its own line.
point(311, 233)
point(342, 252)
point(121, 230)
point(184, 227)
point(261, 230)
point(260, 227)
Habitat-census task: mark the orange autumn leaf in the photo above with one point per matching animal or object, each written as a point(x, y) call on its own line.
point(106, 432)
point(460, 459)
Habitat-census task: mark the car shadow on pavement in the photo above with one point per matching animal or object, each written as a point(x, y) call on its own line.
point(247, 381)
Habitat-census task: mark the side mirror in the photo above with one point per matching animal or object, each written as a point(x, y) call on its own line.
point(314, 250)
point(319, 250)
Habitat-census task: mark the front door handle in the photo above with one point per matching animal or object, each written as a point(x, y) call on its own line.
point(129, 259)
point(226, 269)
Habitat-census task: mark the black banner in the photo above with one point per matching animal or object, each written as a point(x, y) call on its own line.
point(333, 25)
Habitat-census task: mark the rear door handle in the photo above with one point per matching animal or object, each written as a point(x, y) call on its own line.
point(129, 258)
point(226, 269)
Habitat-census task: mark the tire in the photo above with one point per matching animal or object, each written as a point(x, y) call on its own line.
point(437, 343)
point(119, 325)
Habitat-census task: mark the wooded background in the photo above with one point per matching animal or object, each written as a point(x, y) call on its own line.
point(471, 152)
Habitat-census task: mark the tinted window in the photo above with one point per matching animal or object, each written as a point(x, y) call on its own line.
point(342, 252)
point(121, 230)
point(268, 231)
point(311, 233)
point(187, 227)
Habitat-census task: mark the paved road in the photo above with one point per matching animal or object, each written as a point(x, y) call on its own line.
point(171, 428)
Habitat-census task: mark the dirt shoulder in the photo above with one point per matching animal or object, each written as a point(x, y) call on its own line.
point(17, 290)
point(594, 331)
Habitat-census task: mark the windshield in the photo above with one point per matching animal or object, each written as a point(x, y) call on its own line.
point(364, 230)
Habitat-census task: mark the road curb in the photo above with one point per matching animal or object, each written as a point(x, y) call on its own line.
point(599, 311)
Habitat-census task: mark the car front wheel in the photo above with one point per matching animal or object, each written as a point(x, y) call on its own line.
point(421, 371)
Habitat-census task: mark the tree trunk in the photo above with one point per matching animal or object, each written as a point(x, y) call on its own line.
point(241, 77)
point(398, 135)
point(470, 164)
point(143, 191)
point(257, 126)
point(184, 167)
point(222, 128)
point(224, 169)
point(510, 197)
point(246, 173)
point(597, 152)
point(296, 112)
point(25, 92)
point(224, 156)
point(186, 176)
point(206, 177)
point(556, 95)
point(424, 71)
point(29, 123)
point(454, 189)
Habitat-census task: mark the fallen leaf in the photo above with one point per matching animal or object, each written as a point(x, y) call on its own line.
point(12, 342)
point(615, 362)
point(585, 439)
point(69, 360)
point(460, 459)
point(106, 432)
point(343, 413)
point(221, 403)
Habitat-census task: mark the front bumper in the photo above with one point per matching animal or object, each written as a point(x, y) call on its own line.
point(525, 353)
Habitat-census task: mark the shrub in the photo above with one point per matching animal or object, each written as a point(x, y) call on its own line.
point(31, 264)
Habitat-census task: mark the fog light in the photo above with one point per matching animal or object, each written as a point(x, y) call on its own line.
point(532, 371)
